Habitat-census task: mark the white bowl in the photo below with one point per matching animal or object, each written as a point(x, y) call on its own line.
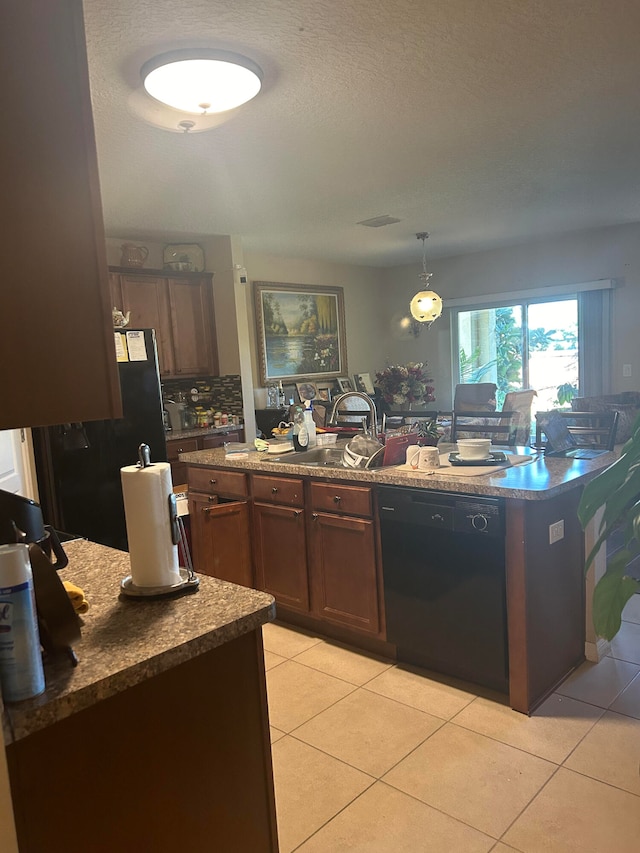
point(474, 448)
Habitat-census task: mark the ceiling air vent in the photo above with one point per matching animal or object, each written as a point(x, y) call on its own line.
point(378, 221)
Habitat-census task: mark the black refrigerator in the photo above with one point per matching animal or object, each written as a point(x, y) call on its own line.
point(78, 465)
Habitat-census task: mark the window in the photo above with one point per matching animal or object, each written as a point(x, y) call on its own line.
point(556, 346)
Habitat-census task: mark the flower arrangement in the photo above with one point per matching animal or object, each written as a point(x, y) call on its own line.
point(409, 383)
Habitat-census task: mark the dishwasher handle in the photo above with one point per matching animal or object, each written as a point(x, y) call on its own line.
point(418, 513)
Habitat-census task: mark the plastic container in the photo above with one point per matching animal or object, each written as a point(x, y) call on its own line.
point(325, 439)
point(21, 672)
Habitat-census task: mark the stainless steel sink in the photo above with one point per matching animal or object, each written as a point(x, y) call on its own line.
point(317, 457)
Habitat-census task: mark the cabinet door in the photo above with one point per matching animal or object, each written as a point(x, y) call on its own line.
point(191, 322)
point(146, 298)
point(342, 567)
point(220, 538)
point(56, 347)
point(281, 556)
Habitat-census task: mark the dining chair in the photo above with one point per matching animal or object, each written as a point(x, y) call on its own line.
point(521, 401)
point(500, 427)
point(394, 420)
point(475, 397)
point(589, 429)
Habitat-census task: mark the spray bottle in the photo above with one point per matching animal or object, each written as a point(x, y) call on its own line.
point(21, 672)
point(310, 423)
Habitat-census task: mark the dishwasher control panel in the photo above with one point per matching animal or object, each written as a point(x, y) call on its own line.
point(459, 513)
point(478, 517)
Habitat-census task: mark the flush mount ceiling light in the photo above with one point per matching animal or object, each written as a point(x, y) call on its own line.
point(426, 305)
point(201, 81)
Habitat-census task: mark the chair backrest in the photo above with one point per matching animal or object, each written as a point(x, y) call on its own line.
point(589, 429)
point(394, 420)
point(521, 401)
point(475, 397)
point(500, 427)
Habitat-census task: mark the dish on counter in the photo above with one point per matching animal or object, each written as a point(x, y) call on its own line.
point(496, 457)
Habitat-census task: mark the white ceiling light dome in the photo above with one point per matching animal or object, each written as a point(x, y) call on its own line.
point(202, 81)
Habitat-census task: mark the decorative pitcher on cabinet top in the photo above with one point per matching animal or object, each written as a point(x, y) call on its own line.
point(133, 256)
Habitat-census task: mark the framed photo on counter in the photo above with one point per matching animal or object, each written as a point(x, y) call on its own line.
point(363, 383)
point(324, 391)
point(345, 384)
point(300, 332)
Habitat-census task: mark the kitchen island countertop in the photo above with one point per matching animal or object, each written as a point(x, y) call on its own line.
point(124, 642)
point(539, 479)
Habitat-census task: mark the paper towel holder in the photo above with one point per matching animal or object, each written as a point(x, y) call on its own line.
point(188, 581)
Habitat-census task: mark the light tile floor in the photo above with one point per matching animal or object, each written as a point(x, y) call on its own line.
point(370, 757)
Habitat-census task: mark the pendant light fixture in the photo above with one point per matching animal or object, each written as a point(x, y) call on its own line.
point(202, 81)
point(426, 305)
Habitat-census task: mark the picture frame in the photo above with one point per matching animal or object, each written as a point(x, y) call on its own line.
point(187, 257)
point(362, 382)
point(300, 332)
point(344, 384)
point(303, 389)
point(324, 392)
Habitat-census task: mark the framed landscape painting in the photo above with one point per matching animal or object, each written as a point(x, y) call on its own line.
point(300, 331)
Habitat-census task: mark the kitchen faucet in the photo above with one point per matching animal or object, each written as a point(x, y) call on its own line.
point(373, 425)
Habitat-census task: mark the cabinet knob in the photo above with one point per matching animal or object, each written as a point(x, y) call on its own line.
point(274, 490)
point(206, 509)
point(180, 450)
point(211, 498)
point(314, 516)
point(337, 499)
point(297, 513)
point(213, 482)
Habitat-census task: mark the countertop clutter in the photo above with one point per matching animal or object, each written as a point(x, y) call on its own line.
point(537, 480)
point(125, 642)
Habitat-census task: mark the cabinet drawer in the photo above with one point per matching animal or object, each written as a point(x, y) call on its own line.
point(278, 490)
point(218, 482)
point(178, 445)
point(353, 500)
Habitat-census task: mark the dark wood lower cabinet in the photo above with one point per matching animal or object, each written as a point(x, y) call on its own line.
point(280, 546)
point(221, 538)
point(180, 762)
point(343, 571)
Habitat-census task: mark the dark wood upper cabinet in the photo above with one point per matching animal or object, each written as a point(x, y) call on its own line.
point(180, 309)
point(56, 346)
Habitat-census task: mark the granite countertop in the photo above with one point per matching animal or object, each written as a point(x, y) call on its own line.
point(127, 641)
point(539, 479)
point(194, 433)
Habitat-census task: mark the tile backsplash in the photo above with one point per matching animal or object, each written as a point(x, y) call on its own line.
point(223, 393)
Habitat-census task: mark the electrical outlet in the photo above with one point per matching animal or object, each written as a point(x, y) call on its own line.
point(626, 370)
point(556, 532)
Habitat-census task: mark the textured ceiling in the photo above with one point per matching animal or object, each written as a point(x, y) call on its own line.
point(484, 122)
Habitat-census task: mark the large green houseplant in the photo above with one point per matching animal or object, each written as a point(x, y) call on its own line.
point(617, 492)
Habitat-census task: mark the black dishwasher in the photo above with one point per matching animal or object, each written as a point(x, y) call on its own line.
point(443, 560)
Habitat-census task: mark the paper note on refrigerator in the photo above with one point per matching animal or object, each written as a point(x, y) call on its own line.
point(137, 346)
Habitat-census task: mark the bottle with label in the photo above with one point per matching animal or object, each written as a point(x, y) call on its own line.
point(310, 424)
point(300, 435)
point(281, 401)
point(21, 672)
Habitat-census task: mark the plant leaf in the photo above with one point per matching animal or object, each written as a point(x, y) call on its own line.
point(610, 596)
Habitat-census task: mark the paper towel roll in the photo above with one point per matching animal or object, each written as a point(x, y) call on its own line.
point(154, 557)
